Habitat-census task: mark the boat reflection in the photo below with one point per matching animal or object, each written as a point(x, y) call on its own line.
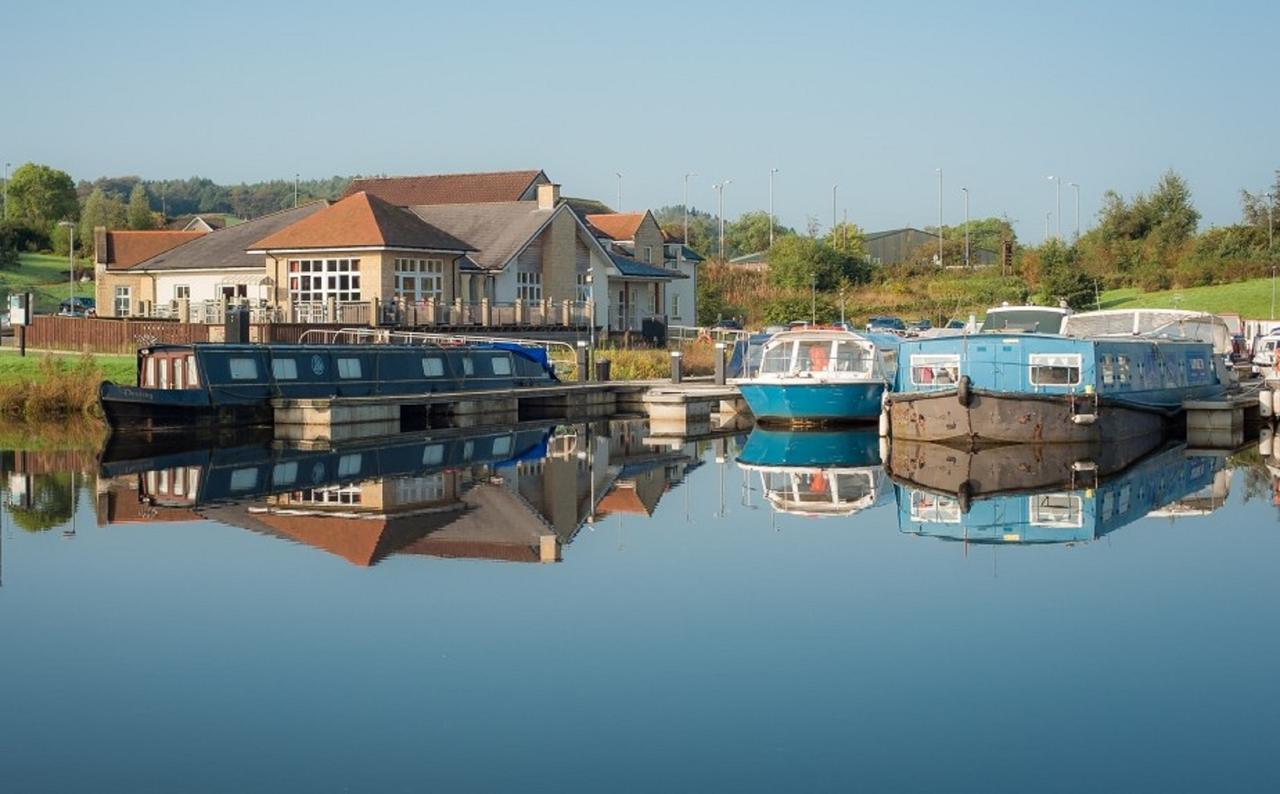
point(816, 472)
point(515, 494)
point(1083, 511)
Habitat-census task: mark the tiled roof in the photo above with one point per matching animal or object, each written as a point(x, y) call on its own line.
point(407, 191)
point(361, 220)
point(618, 225)
point(634, 268)
point(225, 248)
point(498, 230)
point(128, 248)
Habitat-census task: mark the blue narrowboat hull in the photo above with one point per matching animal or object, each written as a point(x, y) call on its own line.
point(814, 403)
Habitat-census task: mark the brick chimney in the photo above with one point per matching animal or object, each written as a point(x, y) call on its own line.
point(100, 253)
point(548, 196)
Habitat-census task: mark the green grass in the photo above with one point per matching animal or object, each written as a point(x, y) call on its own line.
point(17, 369)
point(1250, 299)
point(45, 277)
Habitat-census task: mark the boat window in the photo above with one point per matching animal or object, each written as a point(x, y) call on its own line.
point(349, 465)
point(1108, 371)
point(193, 378)
point(851, 357)
point(501, 365)
point(284, 473)
point(502, 445)
point(243, 369)
point(853, 487)
point(284, 368)
point(816, 356)
point(935, 370)
point(179, 373)
point(433, 367)
point(149, 373)
point(1056, 510)
point(1122, 369)
point(244, 479)
point(468, 366)
point(934, 509)
point(776, 359)
point(164, 373)
point(348, 368)
point(1055, 369)
point(433, 455)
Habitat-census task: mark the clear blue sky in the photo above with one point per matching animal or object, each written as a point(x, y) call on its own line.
point(873, 96)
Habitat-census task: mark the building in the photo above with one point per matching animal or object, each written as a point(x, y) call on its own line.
point(895, 246)
point(641, 283)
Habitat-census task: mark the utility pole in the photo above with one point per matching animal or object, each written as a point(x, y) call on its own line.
point(939, 217)
point(1076, 187)
point(619, 175)
point(1057, 185)
point(719, 188)
point(772, 171)
point(834, 224)
point(685, 240)
point(965, 190)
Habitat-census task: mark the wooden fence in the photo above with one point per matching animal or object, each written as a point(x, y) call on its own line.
point(102, 335)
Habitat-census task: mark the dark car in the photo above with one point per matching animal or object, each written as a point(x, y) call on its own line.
point(77, 307)
point(883, 324)
point(920, 325)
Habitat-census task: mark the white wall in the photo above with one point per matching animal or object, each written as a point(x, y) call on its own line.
point(205, 285)
point(687, 289)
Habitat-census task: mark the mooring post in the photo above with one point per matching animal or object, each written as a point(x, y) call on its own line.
point(720, 375)
point(677, 374)
point(582, 361)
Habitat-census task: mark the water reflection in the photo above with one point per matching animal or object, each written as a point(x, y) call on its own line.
point(816, 473)
point(516, 494)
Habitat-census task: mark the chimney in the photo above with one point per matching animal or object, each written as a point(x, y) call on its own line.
point(100, 253)
point(548, 196)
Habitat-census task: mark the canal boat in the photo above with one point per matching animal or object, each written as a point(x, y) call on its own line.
point(816, 472)
point(225, 385)
point(1059, 515)
point(1106, 376)
point(821, 375)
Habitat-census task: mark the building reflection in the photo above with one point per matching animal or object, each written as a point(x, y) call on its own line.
point(517, 494)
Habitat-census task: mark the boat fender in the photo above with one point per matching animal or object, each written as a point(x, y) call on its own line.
point(884, 423)
point(1266, 442)
point(1084, 419)
point(884, 449)
point(965, 496)
point(1265, 404)
point(964, 391)
point(1275, 402)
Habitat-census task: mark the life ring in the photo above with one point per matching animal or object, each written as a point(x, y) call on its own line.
point(964, 391)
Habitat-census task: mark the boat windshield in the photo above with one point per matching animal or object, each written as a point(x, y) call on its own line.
point(817, 355)
point(1027, 321)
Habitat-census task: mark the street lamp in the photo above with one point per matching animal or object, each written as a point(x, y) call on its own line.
point(1057, 185)
point(939, 170)
point(772, 171)
point(719, 188)
point(1077, 189)
point(834, 223)
point(1047, 216)
point(619, 175)
point(965, 190)
point(71, 260)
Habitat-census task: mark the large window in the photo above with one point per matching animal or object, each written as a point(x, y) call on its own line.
point(123, 301)
point(1055, 370)
point(420, 279)
point(529, 286)
point(321, 279)
point(584, 286)
point(935, 370)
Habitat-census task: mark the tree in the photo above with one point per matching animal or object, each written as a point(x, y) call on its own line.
point(100, 210)
point(848, 239)
point(1061, 279)
point(51, 503)
point(795, 262)
point(749, 234)
point(40, 196)
point(988, 233)
point(139, 213)
point(703, 229)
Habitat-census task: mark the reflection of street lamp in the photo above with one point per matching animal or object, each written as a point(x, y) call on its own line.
point(71, 258)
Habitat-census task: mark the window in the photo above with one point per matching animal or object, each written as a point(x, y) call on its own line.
point(584, 286)
point(502, 445)
point(181, 291)
point(935, 370)
point(179, 369)
point(244, 479)
point(348, 368)
point(529, 286)
point(931, 508)
point(1108, 371)
point(193, 379)
point(648, 254)
point(468, 366)
point(321, 279)
point(675, 306)
point(284, 369)
point(123, 304)
point(244, 369)
point(284, 473)
point(777, 359)
point(433, 455)
point(350, 465)
point(164, 373)
point(1122, 369)
point(501, 365)
point(1056, 510)
point(419, 279)
point(1055, 370)
point(851, 357)
point(149, 373)
point(433, 367)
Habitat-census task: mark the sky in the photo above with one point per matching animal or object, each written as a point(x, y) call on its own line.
point(873, 97)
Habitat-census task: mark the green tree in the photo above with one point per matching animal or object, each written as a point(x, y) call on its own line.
point(749, 234)
point(848, 239)
point(50, 505)
point(988, 233)
point(797, 262)
point(782, 310)
point(139, 213)
point(1061, 279)
point(100, 210)
point(40, 196)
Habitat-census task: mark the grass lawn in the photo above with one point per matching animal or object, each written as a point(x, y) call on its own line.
point(43, 275)
point(1250, 299)
point(15, 368)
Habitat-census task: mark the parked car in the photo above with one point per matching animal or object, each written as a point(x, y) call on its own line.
point(885, 324)
point(77, 307)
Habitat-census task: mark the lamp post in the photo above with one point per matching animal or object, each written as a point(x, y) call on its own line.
point(939, 170)
point(772, 171)
point(619, 175)
point(1057, 186)
point(719, 188)
point(965, 190)
point(685, 240)
point(71, 260)
point(1076, 187)
point(1047, 216)
point(834, 222)
point(813, 286)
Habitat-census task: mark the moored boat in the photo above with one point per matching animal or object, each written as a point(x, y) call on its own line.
point(821, 375)
point(226, 385)
point(1108, 376)
point(816, 472)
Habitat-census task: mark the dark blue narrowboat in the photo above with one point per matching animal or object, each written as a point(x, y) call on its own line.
point(224, 385)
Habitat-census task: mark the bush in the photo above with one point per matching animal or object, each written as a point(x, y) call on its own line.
point(61, 388)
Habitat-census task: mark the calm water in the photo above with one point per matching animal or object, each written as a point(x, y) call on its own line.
point(377, 619)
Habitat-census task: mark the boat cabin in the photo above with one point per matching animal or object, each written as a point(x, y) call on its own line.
point(820, 492)
point(1024, 320)
point(837, 354)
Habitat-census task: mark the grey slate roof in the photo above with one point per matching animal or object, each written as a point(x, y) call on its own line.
point(633, 268)
point(498, 230)
point(224, 249)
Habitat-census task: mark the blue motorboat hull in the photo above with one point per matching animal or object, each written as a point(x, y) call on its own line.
point(814, 403)
point(814, 448)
